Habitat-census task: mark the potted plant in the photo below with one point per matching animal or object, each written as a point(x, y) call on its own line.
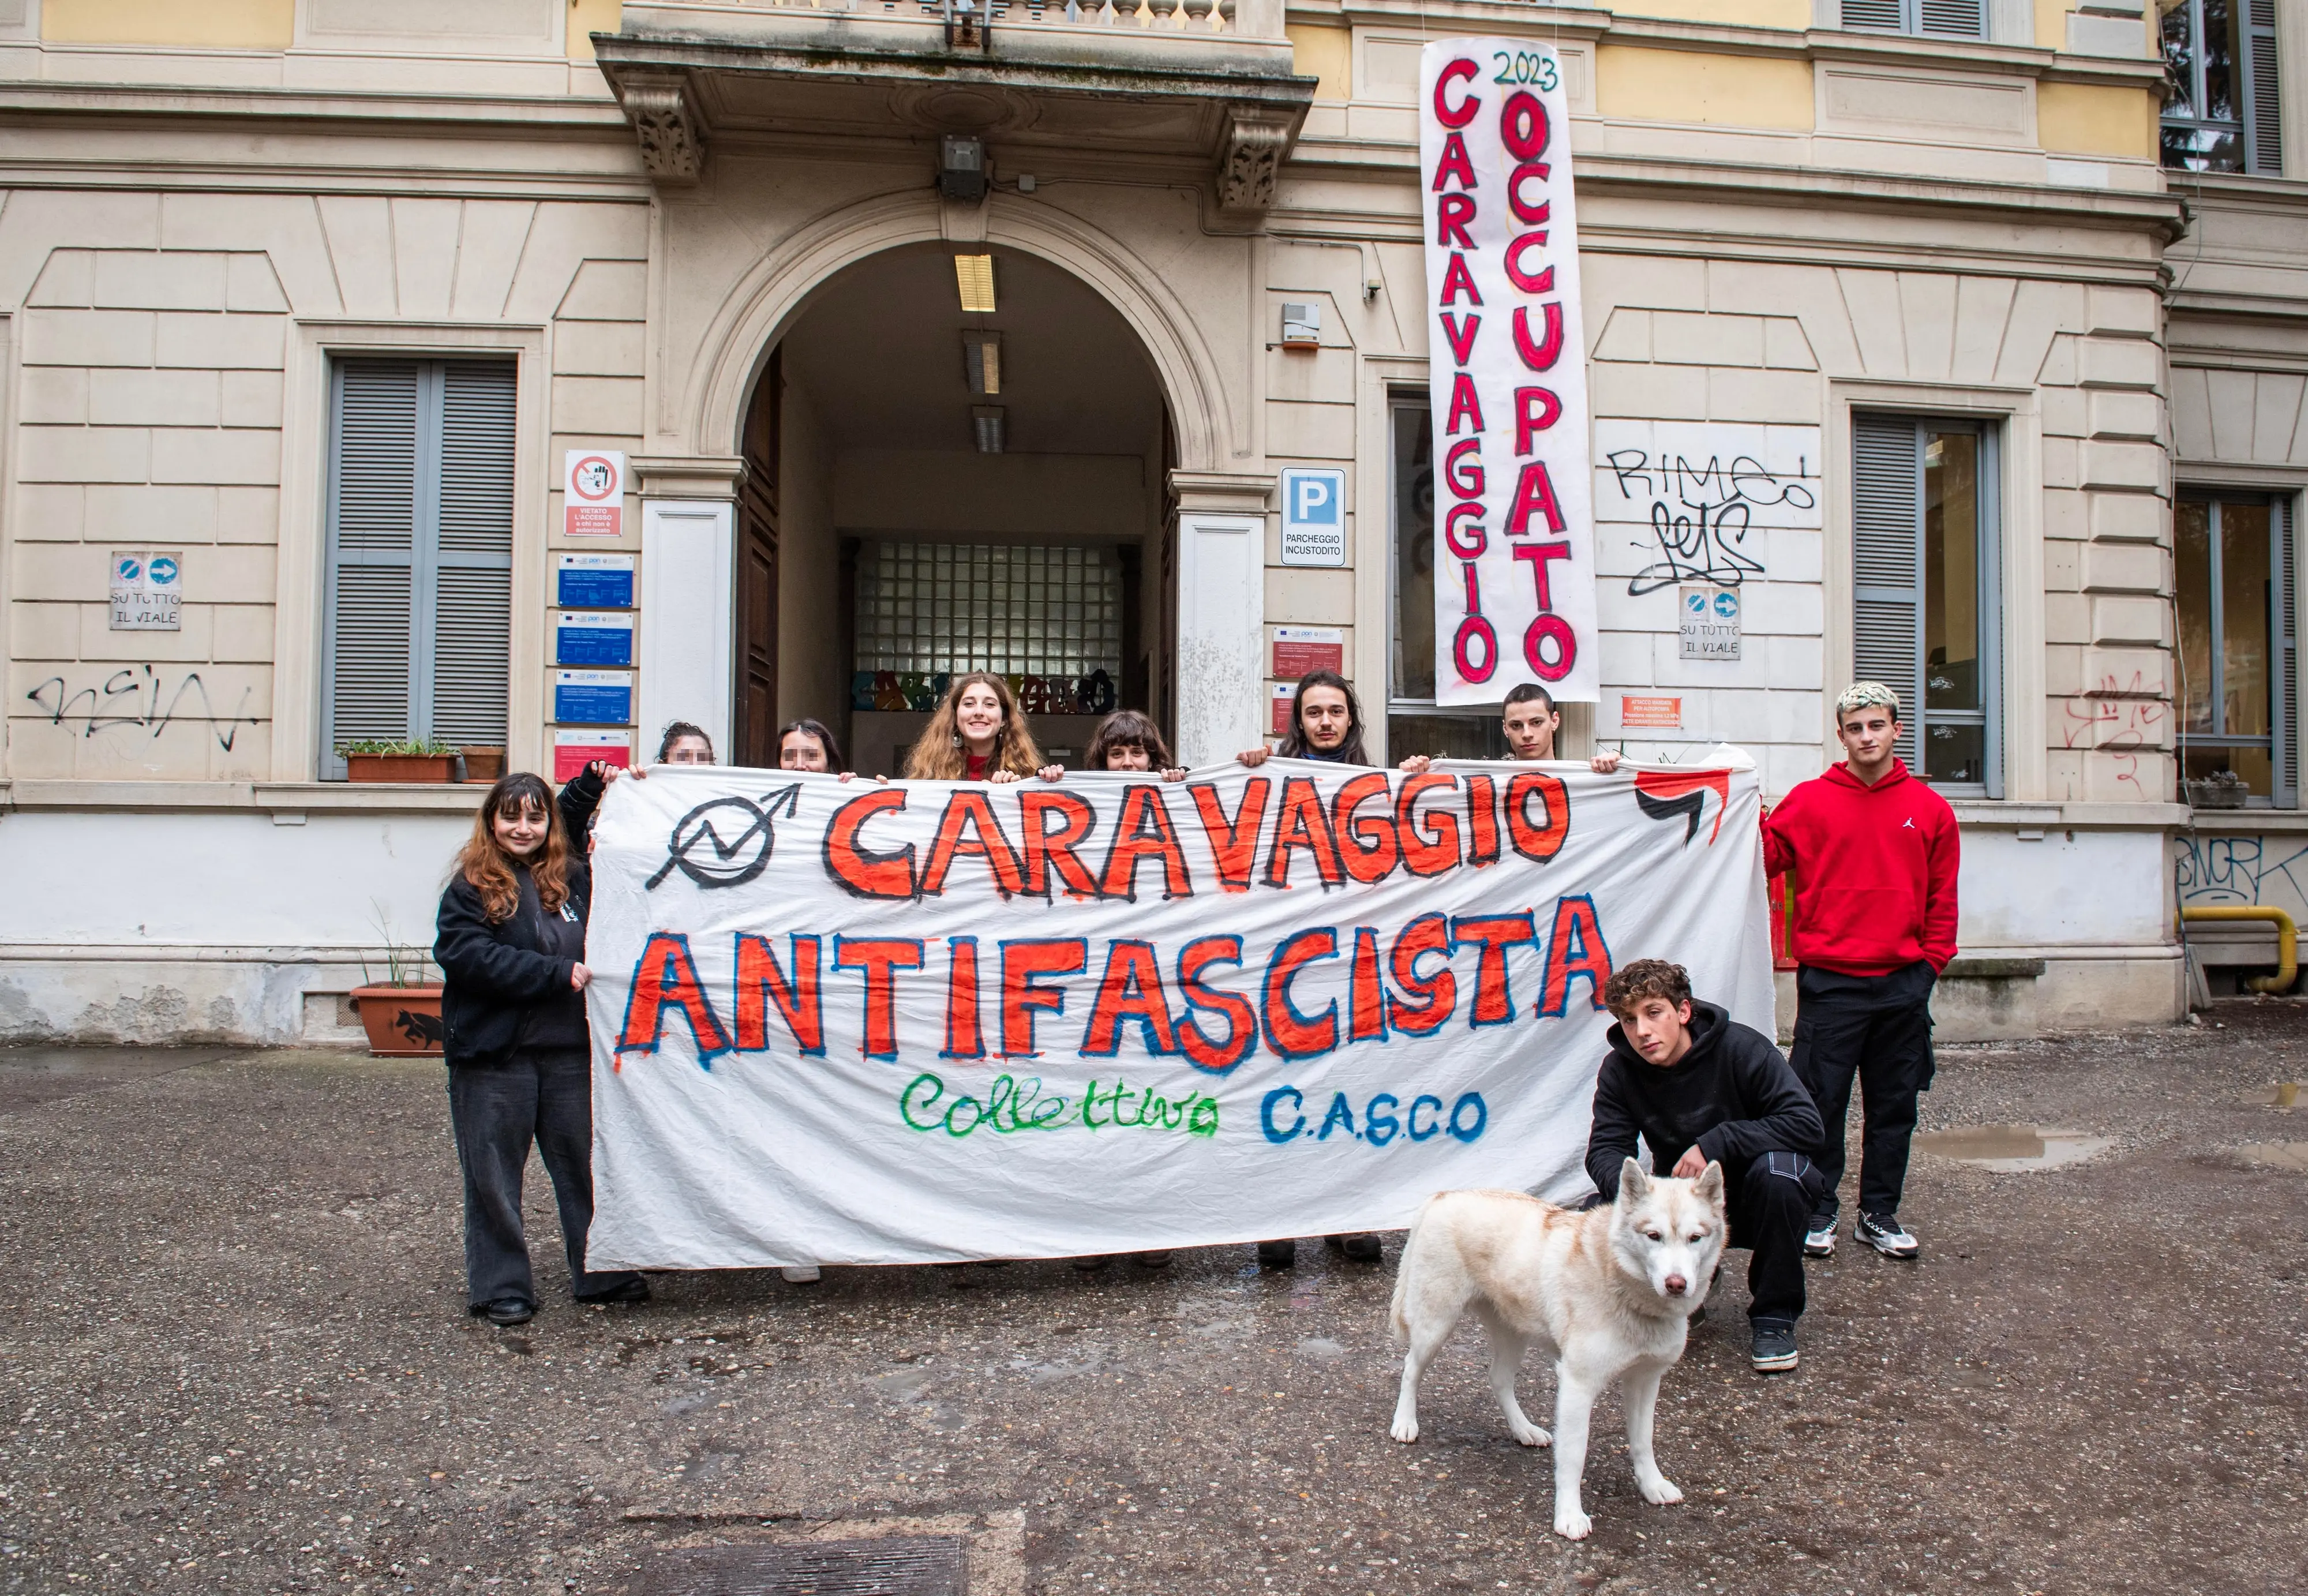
point(402, 1013)
point(409, 759)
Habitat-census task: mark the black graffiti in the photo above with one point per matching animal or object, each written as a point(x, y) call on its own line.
point(1700, 514)
point(132, 697)
point(422, 1030)
point(729, 864)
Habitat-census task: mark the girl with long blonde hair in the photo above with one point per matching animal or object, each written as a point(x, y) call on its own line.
point(511, 950)
point(976, 735)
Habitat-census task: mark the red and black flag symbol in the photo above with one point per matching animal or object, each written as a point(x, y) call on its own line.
point(1666, 794)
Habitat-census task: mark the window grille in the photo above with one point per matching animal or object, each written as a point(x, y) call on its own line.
point(944, 609)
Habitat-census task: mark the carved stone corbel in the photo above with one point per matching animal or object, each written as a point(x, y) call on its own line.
point(672, 140)
point(1256, 142)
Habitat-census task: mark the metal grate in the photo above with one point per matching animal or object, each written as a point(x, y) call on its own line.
point(897, 1565)
point(949, 608)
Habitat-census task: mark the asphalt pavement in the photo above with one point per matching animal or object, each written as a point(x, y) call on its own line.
point(234, 1357)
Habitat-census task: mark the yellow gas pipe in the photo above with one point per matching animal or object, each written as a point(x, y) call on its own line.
point(2288, 940)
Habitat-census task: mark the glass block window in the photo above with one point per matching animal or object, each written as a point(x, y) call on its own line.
point(942, 608)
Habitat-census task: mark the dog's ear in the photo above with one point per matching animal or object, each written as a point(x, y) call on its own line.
point(1634, 1185)
point(1708, 1187)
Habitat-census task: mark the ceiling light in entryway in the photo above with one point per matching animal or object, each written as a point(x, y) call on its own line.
point(974, 275)
point(981, 361)
point(986, 421)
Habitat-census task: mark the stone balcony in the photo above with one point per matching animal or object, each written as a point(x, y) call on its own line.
point(1208, 82)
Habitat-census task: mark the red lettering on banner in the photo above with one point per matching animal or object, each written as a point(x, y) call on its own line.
point(1430, 998)
point(967, 830)
point(965, 1036)
point(1534, 490)
point(760, 983)
point(1022, 1001)
point(1129, 989)
point(1544, 630)
point(1575, 951)
point(1541, 281)
point(1366, 842)
point(665, 976)
point(1542, 840)
point(1523, 126)
point(1493, 934)
point(1464, 403)
point(1540, 356)
point(1142, 833)
point(865, 871)
point(1465, 480)
point(1366, 1011)
point(1241, 1020)
point(1453, 212)
point(1454, 163)
point(1430, 841)
point(1535, 411)
point(881, 958)
point(1302, 824)
point(1474, 648)
point(1459, 329)
point(1537, 555)
point(1051, 848)
point(1288, 1031)
point(1529, 214)
point(1482, 821)
point(1234, 843)
point(1459, 114)
point(1467, 545)
point(1457, 281)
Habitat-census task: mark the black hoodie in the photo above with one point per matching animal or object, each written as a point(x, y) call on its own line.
point(1732, 1095)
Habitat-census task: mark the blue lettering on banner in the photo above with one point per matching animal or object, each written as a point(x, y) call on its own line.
point(1282, 1117)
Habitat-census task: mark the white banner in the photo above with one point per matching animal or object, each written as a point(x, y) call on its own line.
point(1514, 578)
point(844, 1022)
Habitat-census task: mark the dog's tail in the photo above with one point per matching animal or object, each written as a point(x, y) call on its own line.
point(1398, 1317)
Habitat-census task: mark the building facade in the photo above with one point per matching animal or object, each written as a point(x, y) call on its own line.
point(1961, 341)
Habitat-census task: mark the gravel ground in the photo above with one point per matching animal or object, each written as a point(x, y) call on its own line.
point(235, 1359)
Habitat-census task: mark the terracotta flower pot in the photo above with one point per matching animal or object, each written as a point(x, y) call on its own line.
point(401, 1021)
point(396, 767)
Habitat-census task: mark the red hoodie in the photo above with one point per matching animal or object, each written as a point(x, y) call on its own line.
point(1873, 870)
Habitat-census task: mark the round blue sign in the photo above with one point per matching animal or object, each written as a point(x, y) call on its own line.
point(164, 570)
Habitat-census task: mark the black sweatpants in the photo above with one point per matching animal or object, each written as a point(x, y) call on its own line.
point(497, 1110)
point(1878, 1028)
point(1769, 1203)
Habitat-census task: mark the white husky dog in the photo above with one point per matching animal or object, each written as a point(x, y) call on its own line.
point(1608, 1293)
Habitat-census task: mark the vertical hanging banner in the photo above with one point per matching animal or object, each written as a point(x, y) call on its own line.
point(1514, 581)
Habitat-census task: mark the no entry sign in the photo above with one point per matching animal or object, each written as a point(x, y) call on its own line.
point(593, 493)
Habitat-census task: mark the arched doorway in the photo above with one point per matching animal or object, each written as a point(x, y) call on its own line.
point(932, 486)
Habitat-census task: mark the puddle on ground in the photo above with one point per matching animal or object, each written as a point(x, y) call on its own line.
point(2011, 1149)
point(2278, 1155)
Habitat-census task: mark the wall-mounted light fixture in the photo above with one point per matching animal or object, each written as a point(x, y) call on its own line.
point(981, 361)
point(974, 275)
point(961, 167)
point(985, 424)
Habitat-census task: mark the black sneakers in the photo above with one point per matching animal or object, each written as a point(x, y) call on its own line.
point(506, 1312)
point(1774, 1349)
point(1277, 1254)
point(1361, 1248)
point(1886, 1235)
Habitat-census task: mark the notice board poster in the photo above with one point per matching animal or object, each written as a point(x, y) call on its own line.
point(1514, 581)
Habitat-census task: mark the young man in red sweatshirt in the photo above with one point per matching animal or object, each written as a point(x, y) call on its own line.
point(1873, 852)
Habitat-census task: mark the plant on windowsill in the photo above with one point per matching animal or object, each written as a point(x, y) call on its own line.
point(401, 1013)
point(409, 759)
point(2222, 789)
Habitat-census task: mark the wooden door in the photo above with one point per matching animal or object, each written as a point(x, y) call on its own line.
point(755, 722)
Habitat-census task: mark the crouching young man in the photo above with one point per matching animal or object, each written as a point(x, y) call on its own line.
point(1698, 1087)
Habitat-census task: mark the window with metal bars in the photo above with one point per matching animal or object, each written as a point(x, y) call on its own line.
point(419, 611)
point(1927, 594)
point(2235, 588)
point(944, 609)
point(1936, 19)
point(2223, 107)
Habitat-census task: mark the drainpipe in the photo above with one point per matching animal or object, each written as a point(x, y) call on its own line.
point(2288, 940)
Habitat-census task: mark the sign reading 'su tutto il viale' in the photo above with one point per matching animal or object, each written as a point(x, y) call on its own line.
point(1514, 577)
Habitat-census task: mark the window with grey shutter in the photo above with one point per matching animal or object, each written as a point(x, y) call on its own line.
point(2286, 622)
point(419, 609)
point(2236, 591)
point(1937, 19)
point(1926, 616)
point(2223, 107)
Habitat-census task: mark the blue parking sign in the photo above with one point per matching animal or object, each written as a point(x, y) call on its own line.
point(1314, 517)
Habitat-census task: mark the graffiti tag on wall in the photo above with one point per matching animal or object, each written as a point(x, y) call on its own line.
point(2243, 869)
point(140, 697)
point(1694, 497)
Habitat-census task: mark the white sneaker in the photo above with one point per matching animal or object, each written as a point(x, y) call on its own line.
point(1886, 1235)
point(1819, 1241)
point(800, 1274)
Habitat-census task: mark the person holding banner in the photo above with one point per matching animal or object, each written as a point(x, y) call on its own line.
point(1326, 724)
point(1529, 719)
point(806, 744)
point(510, 945)
point(683, 744)
point(1699, 1087)
point(1127, 740)
point(977, 734)
point(1874, 853)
